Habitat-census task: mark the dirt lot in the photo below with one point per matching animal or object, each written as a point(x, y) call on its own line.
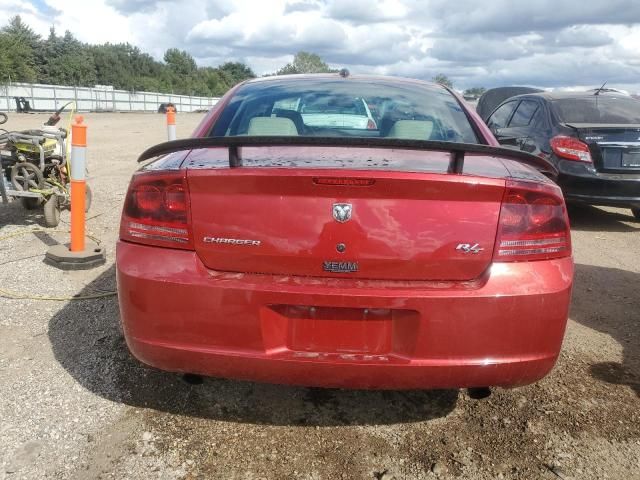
point(75, 405)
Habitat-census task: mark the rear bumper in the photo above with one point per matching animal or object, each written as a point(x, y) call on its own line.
point(504, 329)
point(583, 184)
point(603, 200)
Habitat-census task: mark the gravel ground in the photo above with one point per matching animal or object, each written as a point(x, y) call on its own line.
point(75, 405)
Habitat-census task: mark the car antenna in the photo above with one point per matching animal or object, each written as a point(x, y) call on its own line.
point(598, 90)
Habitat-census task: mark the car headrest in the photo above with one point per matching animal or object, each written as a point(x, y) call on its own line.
point(259, 126)
point(292, 115)
point(411, 129)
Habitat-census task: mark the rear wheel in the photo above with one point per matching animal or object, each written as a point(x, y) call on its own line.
point(52, 211)
point(636, 212)
point(88, 198)
point(25, 176)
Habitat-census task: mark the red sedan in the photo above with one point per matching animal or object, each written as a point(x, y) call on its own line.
point(410, 251)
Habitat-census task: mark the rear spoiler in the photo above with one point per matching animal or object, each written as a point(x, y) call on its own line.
point(456, 150)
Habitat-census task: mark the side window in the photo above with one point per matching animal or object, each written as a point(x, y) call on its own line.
point(539, 119)
point(501, 116)
point(524, 114)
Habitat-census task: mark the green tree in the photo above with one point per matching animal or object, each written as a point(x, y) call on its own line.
point(26, 57)
point(474, 92)
point(125, 67)
point(21, 31)
point(217, 81)
point(68, 61)
point(113, 66)
point(305, 62)
point(182, 72)
point(18, 46)
point(16, 60)
point(51, 48)
point(442, 79)
point(236, 71)
point(180, 62)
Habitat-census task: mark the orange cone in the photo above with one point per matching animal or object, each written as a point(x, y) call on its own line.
point(171, 123)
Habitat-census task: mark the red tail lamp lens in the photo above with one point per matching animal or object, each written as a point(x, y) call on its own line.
point(175, 198)
point(148, 197)
point(533, 224)
point(512, 217)
point(156, 210)
point(571, 148)
point(542, 210)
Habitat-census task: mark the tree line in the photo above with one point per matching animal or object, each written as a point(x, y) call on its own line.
point(63, 60)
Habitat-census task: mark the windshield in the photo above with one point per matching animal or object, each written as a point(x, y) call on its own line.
point(598, 109)
point(345, 108)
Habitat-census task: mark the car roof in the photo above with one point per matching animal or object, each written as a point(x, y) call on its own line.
point(566, 95)
point(387, 79)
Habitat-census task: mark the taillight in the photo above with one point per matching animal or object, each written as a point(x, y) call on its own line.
point(571, 148)
point(156, 210)
point(533, 224)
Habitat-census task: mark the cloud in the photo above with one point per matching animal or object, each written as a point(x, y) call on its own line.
point(269, 34)
point(572, 70)
point(582, 36)
point(367, 11)
point(476, 48)
point(549, 43)
point(133, 6)
point(36, 14)
point(507, 16)
point(302, 6)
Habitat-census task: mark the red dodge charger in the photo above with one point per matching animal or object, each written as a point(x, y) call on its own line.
point(345, 231)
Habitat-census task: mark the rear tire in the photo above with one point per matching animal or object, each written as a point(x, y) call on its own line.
point(636, 212)
point(25, 176)
point(30, 203)
point(88, 198)
point(52, 211)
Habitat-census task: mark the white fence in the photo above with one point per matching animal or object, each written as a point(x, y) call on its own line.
point(51, 97)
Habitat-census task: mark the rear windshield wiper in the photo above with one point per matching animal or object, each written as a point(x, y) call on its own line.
point(456, 150)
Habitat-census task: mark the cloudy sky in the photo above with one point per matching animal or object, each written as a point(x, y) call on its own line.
point(545, 43)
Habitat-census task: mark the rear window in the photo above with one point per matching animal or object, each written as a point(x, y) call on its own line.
point(598, 109)
point(345, 108)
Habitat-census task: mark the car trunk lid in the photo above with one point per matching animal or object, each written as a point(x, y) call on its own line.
point(371, 220)
point(614, 148)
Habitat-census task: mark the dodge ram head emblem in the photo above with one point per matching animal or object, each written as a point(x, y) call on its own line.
point(342, 212)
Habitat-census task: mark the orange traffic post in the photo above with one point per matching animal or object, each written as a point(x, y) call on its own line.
point(80, 255)
point(78, 183)
point(171, 123)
